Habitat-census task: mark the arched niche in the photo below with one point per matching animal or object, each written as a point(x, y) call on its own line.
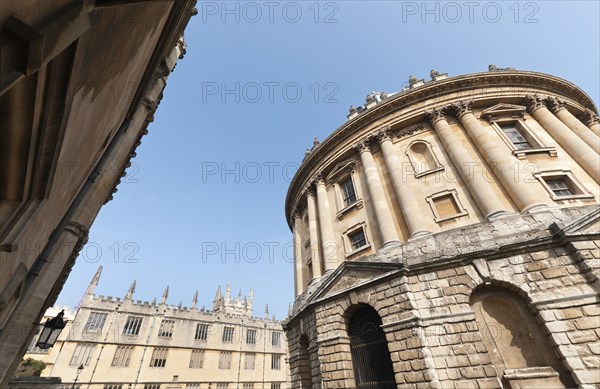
point(517, 343)
point(422, 158)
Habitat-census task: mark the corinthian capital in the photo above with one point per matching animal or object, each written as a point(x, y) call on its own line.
point(534, 102)
point(384, 134)
point(435, 115)
point(461, 108)
point(590, 118)
point(556, 104)
point(363, 146)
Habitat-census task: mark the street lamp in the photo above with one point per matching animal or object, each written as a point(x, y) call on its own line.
point(51, 330)
point(79, 370)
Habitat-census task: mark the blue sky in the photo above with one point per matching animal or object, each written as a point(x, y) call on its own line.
point(203, 203)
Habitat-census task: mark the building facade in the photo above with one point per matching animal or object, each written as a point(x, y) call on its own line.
point(448, 236)
point(123, 343)
point(79, 84)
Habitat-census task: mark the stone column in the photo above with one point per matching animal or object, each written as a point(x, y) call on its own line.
point(498, 158)
point(298, 260)
point(481, 190)
point(383, 212)
point(330, 249)
point(590, 118)
point(575, 146)
point(412, 214)
point(313, 232)
point(557, 106)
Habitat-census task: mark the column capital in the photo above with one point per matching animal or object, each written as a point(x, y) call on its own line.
point(363, 146)
point(534, 102)
point(590, 118)
point(461, 108)
point(296, 215)
point(435, 115)
point(309, 190)
point(318, 179)
point(384, 134)
point(556, 104)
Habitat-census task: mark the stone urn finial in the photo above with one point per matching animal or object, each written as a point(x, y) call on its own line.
point(412, 79)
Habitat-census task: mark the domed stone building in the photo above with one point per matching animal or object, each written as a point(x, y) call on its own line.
point(447, 236)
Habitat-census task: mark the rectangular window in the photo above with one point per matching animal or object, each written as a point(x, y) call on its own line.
point(82, 354)
point(197, 359)
point(275, 361)
point(348, 192)
point(192, 386)
point(251, 336)
point(166, 328)
point(248, 385)
point(225, 360)
point(357, 239)
point(222, 385)
point(446, 206)
point(201, 331)
point(159, 357)
point(132, 325)
point(152, 386)
point(559, 186)
point(227, 334)
point(113, 386)
point(95, 322)
point(249, 360)
point(275, 385)
point(275, 338)
point(122, 356)
point(514, 135)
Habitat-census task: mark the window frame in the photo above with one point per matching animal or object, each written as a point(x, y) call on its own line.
point(537, 145)
point(159, 357)
point(436, 216)
point(574, 185)
point(95, 327)
point(197, 362)
point(133, 329)
point(348, 248)
point(249, 361)
point(275, 338)
point(165, 330)
point(82, 354)
point(275, 361)
point(225, 360)
point(341, 173)
point(251, 340)
point(122, 356)
point(228, 334)
point(201, 332)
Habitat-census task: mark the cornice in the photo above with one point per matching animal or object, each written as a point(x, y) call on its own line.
point(432, 94)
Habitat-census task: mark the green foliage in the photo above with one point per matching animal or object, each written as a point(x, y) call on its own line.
point(30, 368)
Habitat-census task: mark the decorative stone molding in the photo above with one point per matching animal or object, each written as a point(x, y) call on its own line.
point(461, 108)
point(534, 102)
point(384, 134)
point(590, 118)
point(435, 115)
point(363, 146)
point(556, 104)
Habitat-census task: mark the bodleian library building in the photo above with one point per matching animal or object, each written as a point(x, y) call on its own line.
point(123, 343)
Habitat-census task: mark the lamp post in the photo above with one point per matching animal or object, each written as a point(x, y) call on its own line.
point(79, 370)
point(51, 330)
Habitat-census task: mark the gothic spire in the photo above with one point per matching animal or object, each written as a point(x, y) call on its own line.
point(195, 300)
point(165, 295)
point(267, 311)
point(131, 291)
point(218, 295)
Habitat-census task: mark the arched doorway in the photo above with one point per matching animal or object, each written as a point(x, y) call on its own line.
point(304, 363)
point(370, 354)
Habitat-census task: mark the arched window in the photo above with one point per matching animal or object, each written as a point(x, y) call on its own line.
point(370, 353)
point(422, 158)
point(304, 363)
point(516, 342)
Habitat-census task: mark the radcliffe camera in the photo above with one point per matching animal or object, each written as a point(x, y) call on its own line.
point(299, 194)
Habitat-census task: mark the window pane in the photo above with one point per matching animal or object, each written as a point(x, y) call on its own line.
point(348, 192)
point(357, 239)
